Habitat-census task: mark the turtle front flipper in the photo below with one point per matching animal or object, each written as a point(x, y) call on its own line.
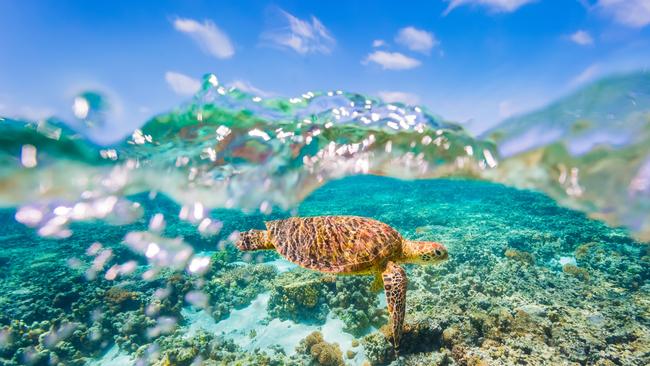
point(254, 240)
point(395, 286)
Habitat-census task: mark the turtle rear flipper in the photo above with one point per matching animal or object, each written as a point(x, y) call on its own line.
point(254, 240)
point(395, 282)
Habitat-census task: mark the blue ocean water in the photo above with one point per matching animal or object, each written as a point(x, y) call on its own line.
point(527, 282)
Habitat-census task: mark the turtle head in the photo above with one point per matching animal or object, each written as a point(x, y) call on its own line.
point(423, 252)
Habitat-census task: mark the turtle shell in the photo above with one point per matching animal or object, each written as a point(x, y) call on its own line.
point(334, 244)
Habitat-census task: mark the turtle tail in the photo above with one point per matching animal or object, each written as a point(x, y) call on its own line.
point(254, 240)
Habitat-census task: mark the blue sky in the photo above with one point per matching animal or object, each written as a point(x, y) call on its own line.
point(473, 61)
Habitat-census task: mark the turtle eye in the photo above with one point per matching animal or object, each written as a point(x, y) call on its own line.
point(438, 253)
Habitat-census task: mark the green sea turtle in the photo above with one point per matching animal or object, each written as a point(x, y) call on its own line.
point(349, 245)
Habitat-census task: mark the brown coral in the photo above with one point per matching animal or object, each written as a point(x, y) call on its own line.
point(520, 255)
point(576, 271)
point(322, 353)
point(584, 249)
point(119, 299)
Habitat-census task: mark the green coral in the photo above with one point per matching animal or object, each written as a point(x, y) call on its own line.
point(299, 296)
point(236, 287)
point(378, 349)
point(178, 350)
point(353, 302)
point(308, 296)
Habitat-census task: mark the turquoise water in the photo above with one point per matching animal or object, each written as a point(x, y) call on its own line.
point(527, 282)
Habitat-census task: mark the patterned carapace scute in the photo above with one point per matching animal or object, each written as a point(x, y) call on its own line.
point(335, 244)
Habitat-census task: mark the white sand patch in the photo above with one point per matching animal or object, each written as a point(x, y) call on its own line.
point(567, 260)
point(243, 323)
point(282, 265)
point(382, 300)
point(113, 357)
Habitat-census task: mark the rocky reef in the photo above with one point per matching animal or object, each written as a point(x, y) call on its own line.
point(206, 349)
point(505, 297)
point(307, 296)
point(527, 282)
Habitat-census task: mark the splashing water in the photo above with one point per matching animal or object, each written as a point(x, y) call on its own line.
point(227, 148)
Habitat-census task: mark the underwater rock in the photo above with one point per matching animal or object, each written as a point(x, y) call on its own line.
point(498, 329)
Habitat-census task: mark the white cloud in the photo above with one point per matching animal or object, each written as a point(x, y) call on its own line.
point(181, 83)
point(632, 13)
point(378, 43)
point(207, 35)
point(507, 109)
point(416, 39)
point(586, 75)
point(582, 38)
point(247, 87)
point(497, 6)
point(300, 35)
point(398, 96)
point(392, 60)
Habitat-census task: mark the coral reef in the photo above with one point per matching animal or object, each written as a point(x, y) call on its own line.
point(307, 296)
point(520, 255)
point(119, 299)
point(576, 271)
point(56, 309)
point(527, 282)
point(353, 302)
point(206, 349)
point(300, 296)
point(235, 286)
